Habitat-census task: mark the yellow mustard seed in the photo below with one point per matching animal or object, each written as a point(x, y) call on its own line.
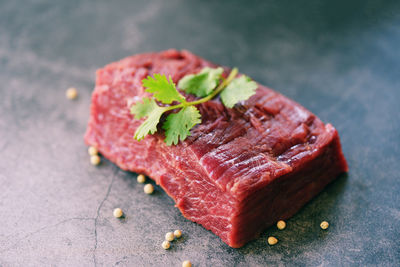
point(281, 225)
point(169, 236)
point(141, 178)
point(177, 233)
point(272, 240)
point(148, 189)
point(95, 159)
point(324, 225)
point(71, 93)
point(92, 151)
point(166, 244)
point(118, 213)
point(186, 264)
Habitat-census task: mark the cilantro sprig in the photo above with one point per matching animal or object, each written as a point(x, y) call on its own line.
point(207, 84)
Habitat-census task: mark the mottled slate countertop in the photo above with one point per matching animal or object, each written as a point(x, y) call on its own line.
point(341, 60)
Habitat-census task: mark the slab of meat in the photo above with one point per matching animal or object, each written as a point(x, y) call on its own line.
point(240, 171)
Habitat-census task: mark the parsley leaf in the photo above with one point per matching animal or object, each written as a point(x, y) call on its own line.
point(152, 111)
point(164, 90)
point(208, 84)
point(239, 89)
point(178, 125)
point(149, 126)
point(201, 84)
point(141, 110)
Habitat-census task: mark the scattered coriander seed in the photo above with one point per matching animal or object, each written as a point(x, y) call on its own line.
point(272, 240)
point(186, 264)
point(177, 233)
point(118, 213)
point(92, 151)
point(148, 189)
point(95, 159)
point(71, 93)
point(169, 236)
point(324, 225)
point(166, 244)
point(141, 178)
point(281, 225)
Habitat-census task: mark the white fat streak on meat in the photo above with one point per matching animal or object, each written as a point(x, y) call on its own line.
point(234, 188)
point(252, 164)
point(248, 172)
point(278, 167)
point(211, 138)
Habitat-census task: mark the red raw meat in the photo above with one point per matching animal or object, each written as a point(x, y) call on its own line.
point(240, 171)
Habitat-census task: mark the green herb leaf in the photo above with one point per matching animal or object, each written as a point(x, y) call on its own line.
point(178, 125)
point(201, 84)
point(164, 90)
point(240, 89)
point(149, 126)
point(143, 109)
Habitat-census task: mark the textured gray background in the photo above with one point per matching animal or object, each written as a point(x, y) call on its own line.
point(341, 60)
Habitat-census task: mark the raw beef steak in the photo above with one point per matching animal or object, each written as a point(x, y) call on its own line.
point(240, 171)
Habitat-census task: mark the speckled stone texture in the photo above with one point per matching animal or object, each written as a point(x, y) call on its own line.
point(341, 60)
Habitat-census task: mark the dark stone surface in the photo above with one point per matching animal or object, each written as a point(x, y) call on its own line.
point(341, 60)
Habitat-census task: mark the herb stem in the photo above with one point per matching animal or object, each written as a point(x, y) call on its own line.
point(219, 88)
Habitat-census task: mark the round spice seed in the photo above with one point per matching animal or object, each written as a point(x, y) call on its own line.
point(148, 189)
point(169, 236)
point(118, 213)
point(166, 244)
point(177, 233)
point(272, 240)
point(186, 264)
point(324, 225)
point(71, 93)
point(281, 225)
point(92, 151)
point(95, 160)
point(141, 178)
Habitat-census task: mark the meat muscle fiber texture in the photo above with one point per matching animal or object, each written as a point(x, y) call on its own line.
point(240, 171)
